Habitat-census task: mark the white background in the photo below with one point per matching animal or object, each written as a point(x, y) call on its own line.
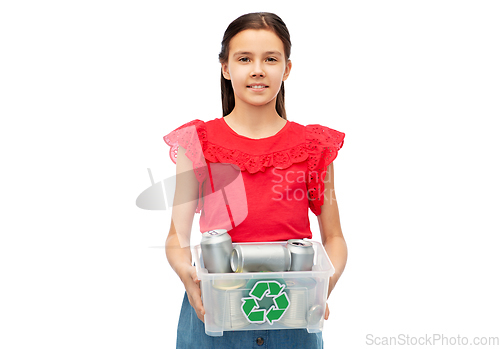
point(88, 90)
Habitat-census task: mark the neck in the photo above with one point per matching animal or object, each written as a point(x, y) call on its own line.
point(255, 119)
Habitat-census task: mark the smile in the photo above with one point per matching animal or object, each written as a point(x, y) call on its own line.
point(257, 86)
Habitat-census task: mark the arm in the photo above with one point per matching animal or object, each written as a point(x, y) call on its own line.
point(331, 233)
point(177, 245)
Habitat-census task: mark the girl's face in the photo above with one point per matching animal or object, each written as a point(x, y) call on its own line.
point(256, 66)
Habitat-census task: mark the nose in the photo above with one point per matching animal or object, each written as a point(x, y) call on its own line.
point(259, 74)
point(257, 71)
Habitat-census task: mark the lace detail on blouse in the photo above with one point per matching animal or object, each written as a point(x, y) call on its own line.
point(192, 136)
point(323, 144)
point(255, 163)
point(196, 142)
point(319, 148)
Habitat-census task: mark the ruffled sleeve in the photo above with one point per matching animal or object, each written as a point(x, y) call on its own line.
point(192, 136)
point(323, 144)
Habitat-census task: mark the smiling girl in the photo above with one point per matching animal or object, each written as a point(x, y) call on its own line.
point(254, 136)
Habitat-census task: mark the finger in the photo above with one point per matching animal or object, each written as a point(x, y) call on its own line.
point(194, 294)
point(198, 310)
point(194, 297)
point(327, 312)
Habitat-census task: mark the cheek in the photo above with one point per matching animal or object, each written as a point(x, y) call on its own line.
point(238, 80)
point(278, 72)
point(236, 76)
point(277, 77)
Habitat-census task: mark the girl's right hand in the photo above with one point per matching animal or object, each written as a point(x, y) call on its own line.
point(192, 286)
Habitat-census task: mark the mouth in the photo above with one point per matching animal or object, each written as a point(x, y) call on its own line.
point(257, 86)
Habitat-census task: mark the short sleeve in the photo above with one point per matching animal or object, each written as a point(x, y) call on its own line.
point(192, 136)
point(323, 144)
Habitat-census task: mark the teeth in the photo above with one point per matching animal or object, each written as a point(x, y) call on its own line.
point(257, 86)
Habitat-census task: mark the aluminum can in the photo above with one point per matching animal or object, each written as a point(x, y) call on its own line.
point(216, 247)
point(253, 258)
point(227, 309)
point(302, 253)
point(301, 294)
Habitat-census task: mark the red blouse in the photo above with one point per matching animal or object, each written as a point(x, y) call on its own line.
point(258, 189)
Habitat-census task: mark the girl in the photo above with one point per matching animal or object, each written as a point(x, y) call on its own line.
point(286, 168)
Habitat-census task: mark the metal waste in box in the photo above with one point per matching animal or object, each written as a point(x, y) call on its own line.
point(265, 300)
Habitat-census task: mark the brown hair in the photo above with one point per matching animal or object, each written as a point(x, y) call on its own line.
point(257, 20)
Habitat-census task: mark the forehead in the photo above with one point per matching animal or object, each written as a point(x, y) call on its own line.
point(256, 41)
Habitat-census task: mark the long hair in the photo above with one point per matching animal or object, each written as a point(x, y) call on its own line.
point(257, 20)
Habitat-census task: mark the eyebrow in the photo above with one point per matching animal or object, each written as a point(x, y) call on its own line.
point(277, 53)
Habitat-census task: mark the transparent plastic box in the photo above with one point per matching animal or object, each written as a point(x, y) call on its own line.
point(265, 300)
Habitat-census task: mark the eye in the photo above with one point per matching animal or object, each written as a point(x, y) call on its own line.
point(244, 59)
point(271, 59)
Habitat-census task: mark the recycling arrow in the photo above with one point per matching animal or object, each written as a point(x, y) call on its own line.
point(250, 306)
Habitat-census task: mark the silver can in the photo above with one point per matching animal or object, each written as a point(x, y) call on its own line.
point(253, 258)
point(227, 309)
point(302, 254)
point(301, 293)
point(216, 247)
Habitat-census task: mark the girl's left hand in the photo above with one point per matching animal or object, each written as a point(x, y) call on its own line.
point(327, 312)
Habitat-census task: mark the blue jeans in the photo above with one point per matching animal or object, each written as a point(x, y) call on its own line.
point(191, 335)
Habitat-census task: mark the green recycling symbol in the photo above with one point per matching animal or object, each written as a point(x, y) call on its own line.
point(250, 306)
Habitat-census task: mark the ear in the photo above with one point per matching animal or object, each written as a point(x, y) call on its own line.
point(225, 71)
point(288, 67)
